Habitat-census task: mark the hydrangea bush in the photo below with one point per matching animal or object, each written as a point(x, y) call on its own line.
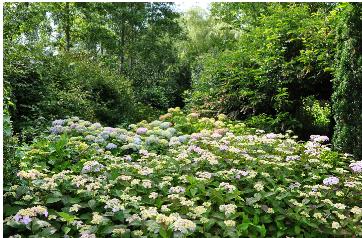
point(182, 176)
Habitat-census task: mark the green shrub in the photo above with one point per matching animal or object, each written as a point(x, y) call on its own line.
point(347, 96)
point(65, 85)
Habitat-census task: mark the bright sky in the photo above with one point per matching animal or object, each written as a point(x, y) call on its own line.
point(184, 5)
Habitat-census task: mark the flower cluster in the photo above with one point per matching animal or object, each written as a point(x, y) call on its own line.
point(25, 216)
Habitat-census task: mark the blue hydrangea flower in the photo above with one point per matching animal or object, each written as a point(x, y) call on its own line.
point(111, 146)
point(165, 125)
point(122, 138)
point(137, 140)
point(99, 140)
point(182, 139)
point(56, 129)
point(104, 135)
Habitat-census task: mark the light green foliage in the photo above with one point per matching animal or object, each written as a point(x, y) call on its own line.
point(347, 97)
point(181, 176)
point(317, 113)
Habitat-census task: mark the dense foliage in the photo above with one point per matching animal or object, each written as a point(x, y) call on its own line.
point(348, 104)
point(181, 176)
point(279, 67)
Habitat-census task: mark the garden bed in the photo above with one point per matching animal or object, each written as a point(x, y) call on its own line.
point(182, 176)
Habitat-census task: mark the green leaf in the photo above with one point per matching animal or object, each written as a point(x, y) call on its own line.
point(107, 230)
point(53, 199)
point(256, 219)
point(262, 230)
point(92, 203)
point(10, 210)
point(47, 232)
point(163, 233)
point(74, 200)
point(297, 229)
point(217, 196)
point(209, 224)
point(66, 229)
point(37, 224)
point(193, 191)
point(243, 227)
point(14, 224)
point(67, 217)
point(119, 216)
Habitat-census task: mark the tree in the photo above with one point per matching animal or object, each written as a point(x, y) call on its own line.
point(347, 97)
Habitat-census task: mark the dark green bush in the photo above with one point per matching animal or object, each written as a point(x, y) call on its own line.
point(347, 96)
point(65, 85)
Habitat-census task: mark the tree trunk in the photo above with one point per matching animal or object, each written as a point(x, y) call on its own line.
point(122, 46)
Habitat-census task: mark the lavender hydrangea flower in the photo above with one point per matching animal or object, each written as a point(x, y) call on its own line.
point(292, 158)
point(196, 136)
point(73, 126)
point(128, 158)
point(58, 122)
point(319, 139)
point(271, 136)
point(96, 125)
point(294, 185)
point(223, 147)
point(109, 129)
point(92, 166)
point(241, 173)
point(17, 217)
point(331, 180)
point(141, 130)
point(111, 146)
point(26, 220)
point(356, 167)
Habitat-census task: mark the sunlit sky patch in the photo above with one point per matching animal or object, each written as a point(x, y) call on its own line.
point(185, 5)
